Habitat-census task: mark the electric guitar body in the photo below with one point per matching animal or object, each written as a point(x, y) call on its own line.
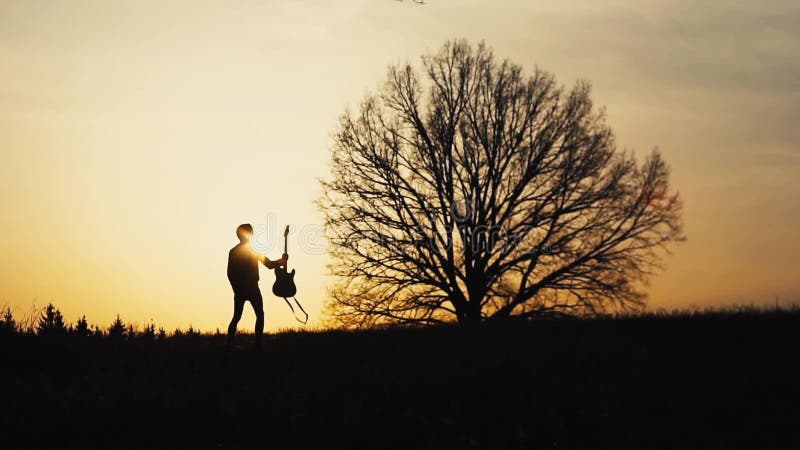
point(284, 283)
point(284, 279)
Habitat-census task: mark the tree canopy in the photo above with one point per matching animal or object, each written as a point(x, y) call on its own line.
point(465, 189)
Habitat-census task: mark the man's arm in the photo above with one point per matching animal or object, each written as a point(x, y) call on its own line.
point(275, 264)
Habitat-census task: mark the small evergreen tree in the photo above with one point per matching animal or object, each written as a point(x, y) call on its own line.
point(130, 332)
point(51, 322)
point(8, 324)
point(82, 328)
point(177, 333)
point(162, 334)
point(98, 332)
point(149, 331)
point(117, 329)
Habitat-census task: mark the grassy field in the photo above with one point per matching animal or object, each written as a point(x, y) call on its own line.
point(702, 381)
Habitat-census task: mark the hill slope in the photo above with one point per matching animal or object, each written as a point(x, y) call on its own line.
point(715, 381)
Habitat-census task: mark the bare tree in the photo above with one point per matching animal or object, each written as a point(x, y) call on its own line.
point(472, 191)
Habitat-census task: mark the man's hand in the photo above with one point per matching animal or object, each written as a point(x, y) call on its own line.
point(276, 263)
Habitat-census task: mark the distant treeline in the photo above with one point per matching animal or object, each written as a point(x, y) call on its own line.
point(49, 321)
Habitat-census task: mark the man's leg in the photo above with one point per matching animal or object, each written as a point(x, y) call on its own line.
point(258, 308)
point(238, 307)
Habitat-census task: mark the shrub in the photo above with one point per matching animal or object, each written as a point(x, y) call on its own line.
point(191, 332)
point(7, 323)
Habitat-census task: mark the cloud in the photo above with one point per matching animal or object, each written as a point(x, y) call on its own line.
point(709, 46)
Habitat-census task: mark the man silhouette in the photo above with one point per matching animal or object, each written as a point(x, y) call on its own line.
point(243, 276)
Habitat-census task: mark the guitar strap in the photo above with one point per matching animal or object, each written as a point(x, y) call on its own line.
point(286, 250)
point(294, 313)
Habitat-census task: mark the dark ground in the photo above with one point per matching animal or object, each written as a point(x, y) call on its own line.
point(704, 382)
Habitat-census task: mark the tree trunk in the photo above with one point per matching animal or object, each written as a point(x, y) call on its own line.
point(471, 314)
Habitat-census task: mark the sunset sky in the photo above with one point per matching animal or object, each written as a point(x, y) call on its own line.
point(136, 136)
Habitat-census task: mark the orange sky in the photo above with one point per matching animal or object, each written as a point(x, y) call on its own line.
point(135, 136)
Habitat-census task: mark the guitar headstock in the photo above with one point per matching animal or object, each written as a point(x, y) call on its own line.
point(286, 231)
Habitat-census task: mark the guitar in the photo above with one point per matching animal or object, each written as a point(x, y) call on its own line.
point(284, 280)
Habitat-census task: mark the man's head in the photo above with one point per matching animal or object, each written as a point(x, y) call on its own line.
point(244, 232)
